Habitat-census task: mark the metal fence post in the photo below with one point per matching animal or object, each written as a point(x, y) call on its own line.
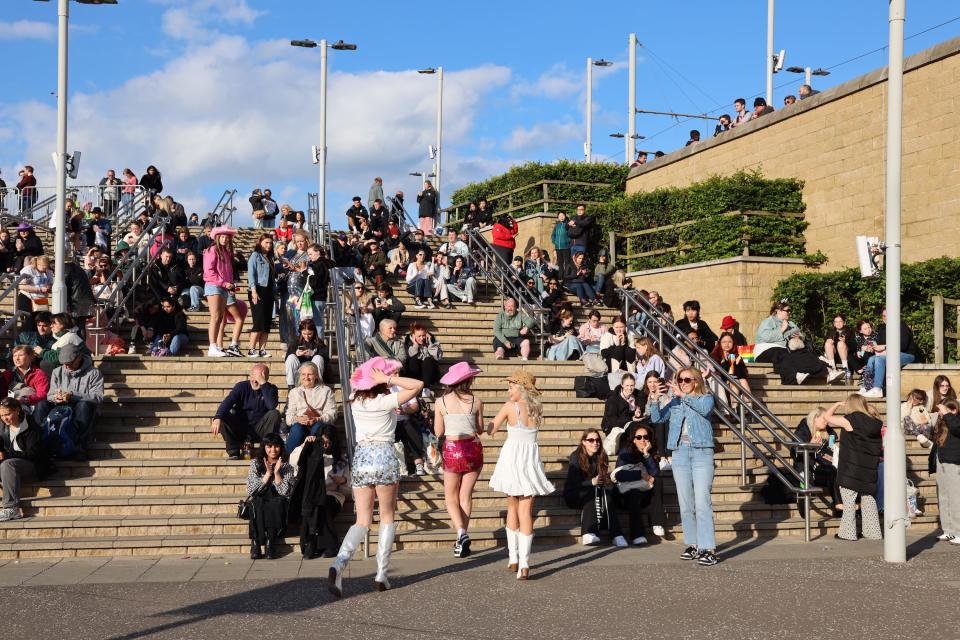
point(546, 198)
point(806, 496)
point(939, 352)
point(743, 446)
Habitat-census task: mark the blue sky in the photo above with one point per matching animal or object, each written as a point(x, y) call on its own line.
point(210, 91)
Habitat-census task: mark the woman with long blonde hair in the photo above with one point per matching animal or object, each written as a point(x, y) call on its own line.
point(519, 472)
point(690, 440)
point(860, 449)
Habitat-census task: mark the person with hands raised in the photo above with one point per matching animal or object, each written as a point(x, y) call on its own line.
point(640, 491)
point(376, 474)
point(269, 485)
point(690, 440)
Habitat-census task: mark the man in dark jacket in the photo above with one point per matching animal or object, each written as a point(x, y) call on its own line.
point(579, 229)
point(166, 277)
point(354, 213)
point(343, 254)
point(27, 244)
point(878, 361)
point(379, 220)
point(249, 412)
point(692, 322)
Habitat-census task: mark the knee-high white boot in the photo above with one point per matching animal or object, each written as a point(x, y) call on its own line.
point(524, 545)
point(512, 536)
point(385, 537)
point(350, 543)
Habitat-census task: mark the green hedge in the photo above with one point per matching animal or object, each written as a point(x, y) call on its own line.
point(522, 175)
point(713, 237)
point(816, 297)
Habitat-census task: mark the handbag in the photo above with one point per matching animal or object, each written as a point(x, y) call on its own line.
point(638, 485)
point(245, 509)
point(594, 364)
point(259, 213)
point(611, 440)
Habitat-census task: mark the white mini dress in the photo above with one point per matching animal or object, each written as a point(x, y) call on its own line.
point(519, 471)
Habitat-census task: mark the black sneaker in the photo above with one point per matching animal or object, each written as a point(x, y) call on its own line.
point(233, 351)
point(457, 548)
point(464, 546)
point(690, 553)
point(707, 559)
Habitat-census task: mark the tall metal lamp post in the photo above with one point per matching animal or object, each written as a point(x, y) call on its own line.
point(588, 145)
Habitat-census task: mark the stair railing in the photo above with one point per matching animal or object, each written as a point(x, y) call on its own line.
point(12, 288)
point(498, 273)
point(314, 228)
point(757, 428)
point(121, 285)
point(224, 209)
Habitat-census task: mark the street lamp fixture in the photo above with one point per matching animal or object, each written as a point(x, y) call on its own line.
point(602, 63)
point(809, 72)
point(428, 71)
point(621, 136)
point(588, 145)
point(320, 153)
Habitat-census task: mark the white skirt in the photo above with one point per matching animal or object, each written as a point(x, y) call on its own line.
point(519, 471)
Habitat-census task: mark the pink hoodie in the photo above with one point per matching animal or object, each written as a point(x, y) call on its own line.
point(216, 271)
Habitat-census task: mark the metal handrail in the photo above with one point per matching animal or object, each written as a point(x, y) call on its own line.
point(750, 410)
point(224, 209)
point(13, 287)
point(497, 272)
point(9, 196)
point(313, 219)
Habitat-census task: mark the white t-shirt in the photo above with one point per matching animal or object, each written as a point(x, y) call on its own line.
point(376, 419)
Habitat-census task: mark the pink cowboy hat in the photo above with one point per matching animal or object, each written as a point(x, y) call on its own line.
point(458, 373)
point(362, 377)
point(222, 229)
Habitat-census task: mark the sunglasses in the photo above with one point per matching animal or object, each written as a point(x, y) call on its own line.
point(684, 380)
point(641, 437)
point(594, 440)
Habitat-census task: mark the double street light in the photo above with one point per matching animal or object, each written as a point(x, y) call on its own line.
point(588, 145)
point(58, 290)
point(809, 73)
point(321, 159)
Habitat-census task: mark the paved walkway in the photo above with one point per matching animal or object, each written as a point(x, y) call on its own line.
point(762, 589)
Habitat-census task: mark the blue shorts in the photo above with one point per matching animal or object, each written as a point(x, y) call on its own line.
point(214, 290)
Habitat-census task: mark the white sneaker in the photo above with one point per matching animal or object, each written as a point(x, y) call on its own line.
point(945, 536)
point(876, 392)
point(430, 304)
point(642, 540)
point(620, 541)
point(589, 538)
point(658, 531)
point(955, 540)
point(215, 352)
point(834, 374)
point(665, 464)
point(915, 512)
point(132, 349)
point(426, 393)
point(801, 377)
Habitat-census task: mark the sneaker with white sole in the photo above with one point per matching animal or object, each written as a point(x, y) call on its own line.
point(665, 464)
point(834, 374)
point(215, 352)
point(264, 353)
point(690, 553)
point(233, 351)
point(589, 539)
point(10, 513)
point(132, 349)
point(253, 353)
point(801, 377)
point(876, 392)
point(955, 540)
point(945, 537)
point(620, 541)
point(639, 541)
point(658, 531)
point(707, 558)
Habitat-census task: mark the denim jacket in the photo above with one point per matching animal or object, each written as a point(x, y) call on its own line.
point(258, 271)
point(696, 410)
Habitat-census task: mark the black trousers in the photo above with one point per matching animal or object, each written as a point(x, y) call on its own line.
point(427, 370)
point(643, 506)
point(269, 516)
point(505, 253)
point(236, 428)
point(380, 314)
point(600, 513)
point(317, 524)
point(408, 432)
point(789, 363)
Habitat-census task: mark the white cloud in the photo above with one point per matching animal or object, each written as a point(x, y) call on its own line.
point(233, 113)
point(27, 30)
point(190, 20)
point(542, 134)
point(556, 83)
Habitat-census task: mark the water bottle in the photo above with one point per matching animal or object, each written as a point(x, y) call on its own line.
point(848, 376)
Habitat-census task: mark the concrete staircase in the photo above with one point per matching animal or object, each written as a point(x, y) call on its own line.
point(159, 483)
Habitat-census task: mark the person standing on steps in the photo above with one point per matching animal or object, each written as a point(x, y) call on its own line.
point(690, 440)
point(376, 474)
point(458, 418)
point(519, 472)
point(221, 292)
point(260, 281)
point(861, 447)
point(428, 200)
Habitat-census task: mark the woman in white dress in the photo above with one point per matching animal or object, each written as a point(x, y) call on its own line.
point(519, 471)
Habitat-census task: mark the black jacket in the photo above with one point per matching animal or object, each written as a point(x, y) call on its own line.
point(173, 323)
point(32, 448)
point(311, 489)
point(80, 298)
point(163, 276)
point(428, 203)
point(581, 229)
point(907, 345)
point(578, 488)
point(617, 412)
point(707, 336)
point(624, 354)
point(949, 451)
point(320, 280)
point(860, 452)
point(152, 183)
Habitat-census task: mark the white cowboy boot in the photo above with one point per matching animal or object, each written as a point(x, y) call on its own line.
point(512, 537)
point(385, 537)
point(524, 544)
point(350, 543)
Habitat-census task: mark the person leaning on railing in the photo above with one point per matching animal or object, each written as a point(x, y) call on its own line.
point(504, 235)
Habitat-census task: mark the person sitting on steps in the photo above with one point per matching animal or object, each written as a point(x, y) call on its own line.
point(249, 413)
point(269, 485)
point(512, 331)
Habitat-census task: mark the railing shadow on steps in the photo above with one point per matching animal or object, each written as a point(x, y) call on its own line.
point(497, 273)
point(757, 428)
point(116, 298)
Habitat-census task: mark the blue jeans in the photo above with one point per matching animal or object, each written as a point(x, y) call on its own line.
point(298, 433)
point(582, 290)
point(878, 365)
point(693, 475)
point(598, 281)
point(194, 292)
point(879, 495)
point(318, 313)
point(177, 343)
